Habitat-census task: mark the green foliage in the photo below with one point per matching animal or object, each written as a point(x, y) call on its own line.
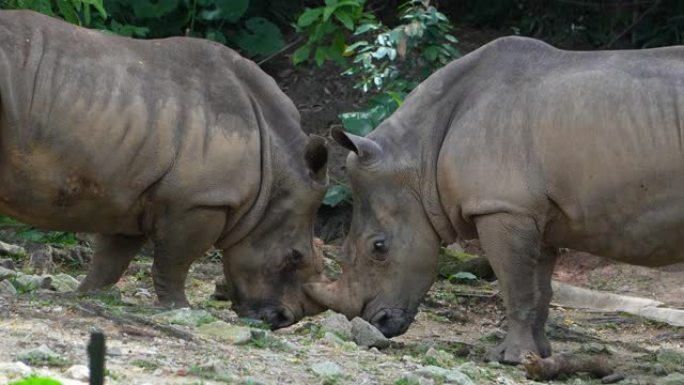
point(325, 28)
point(36, 381)
point(78, 12)
point(389, 62)
point(226, 22)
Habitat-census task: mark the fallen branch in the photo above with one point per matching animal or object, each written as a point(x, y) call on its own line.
point(127, 319)
point(580, 298)
point(543, 369)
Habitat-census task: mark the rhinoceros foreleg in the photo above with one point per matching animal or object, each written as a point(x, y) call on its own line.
point(113, 254)
point(179, 239)
point(513, 247)
point(542, 276)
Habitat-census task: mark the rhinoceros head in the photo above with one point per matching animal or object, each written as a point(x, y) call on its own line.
point(390, 254)
point(267, 269)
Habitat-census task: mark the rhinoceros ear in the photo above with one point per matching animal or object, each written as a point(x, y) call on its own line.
point(316, 157)
point(366, 149)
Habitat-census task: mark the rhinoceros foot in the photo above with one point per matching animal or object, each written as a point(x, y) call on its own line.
point(513, 347)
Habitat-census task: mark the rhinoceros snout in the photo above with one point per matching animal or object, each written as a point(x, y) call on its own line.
point(392, 322)
point(276, 317)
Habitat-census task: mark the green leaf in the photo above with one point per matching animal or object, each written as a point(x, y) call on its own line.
point(227, 10)
point(36, 381)
point(328, 11)
point(99, 6)
point(217, 36)
point(309, 16)
point(346, 19)
point(320, 56)
point(336, 194)
point(358, 123)
point(301, 54)
point(259, 37)
point(66, 9)
point(147, 9)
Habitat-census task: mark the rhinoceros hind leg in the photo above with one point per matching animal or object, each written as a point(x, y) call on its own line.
point(179, 239)
point(113, 254)
point(513, 247)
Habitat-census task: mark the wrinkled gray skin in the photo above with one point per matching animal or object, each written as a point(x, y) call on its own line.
point(180, 141)
point(528, 148)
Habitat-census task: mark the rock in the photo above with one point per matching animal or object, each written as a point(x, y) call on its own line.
point(41, 356)
point(596, 348)
point(453, 261)
point(78, 372)
point(40, 261)
point(63, 283)
point(26, 283)
point(337, 324)
point(412, 379)
point(6, 273)
point(332, 339)
point(7, 249)
point(217, 371)
point(15, 369)
point(8, 264)
point(439, 357)
point(185, 316)
point(441, 374)
point(114, 351)
point(671, 360)
point(671, 379)
point(326, 369)
point(366, 335)
point(223, 331)
point(6, 287)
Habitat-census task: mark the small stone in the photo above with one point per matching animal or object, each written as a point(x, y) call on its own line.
point(7, 249)
point(671, 379)
point(326, 369)
point(41, 355)
point(78, 372)
point(6, 287)
point(441, 374)
point(6, 273)
point(8, 264)
point(412, 379)
point(114, 351)
point(185, 316)
point(40, 261)
point(366, 335)
point(332, 339)
point(223, 331)
point(63, 283)
point(338, 324)
point(439, 357)
point(612, 378)
point(26, 283)
point(218, 371)
point(671, 360)
point(15, 369)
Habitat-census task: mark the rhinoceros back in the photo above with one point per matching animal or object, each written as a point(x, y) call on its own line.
point(93, 123)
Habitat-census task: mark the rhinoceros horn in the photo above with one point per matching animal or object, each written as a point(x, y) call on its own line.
point(368, 151)
point(336, 295)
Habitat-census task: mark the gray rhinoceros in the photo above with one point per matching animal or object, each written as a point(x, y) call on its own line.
point(529, 148)
point(180, 140)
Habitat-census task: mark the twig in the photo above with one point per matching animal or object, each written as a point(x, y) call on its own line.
point(288, 46)
point(538, 368)
point(634, 24)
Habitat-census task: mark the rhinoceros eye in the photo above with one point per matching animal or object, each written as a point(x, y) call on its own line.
point(380, 249)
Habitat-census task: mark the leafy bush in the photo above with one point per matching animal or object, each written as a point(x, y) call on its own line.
point(36, 381)
point(223, 21)
point(325, 27)
point(387, 62)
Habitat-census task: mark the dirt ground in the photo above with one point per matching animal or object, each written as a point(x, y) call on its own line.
point(462, 321)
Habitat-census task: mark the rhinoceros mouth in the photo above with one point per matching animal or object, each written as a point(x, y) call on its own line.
point(392, 322)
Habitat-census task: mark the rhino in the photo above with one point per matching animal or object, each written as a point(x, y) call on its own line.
point(179, 141)
point(529, 149)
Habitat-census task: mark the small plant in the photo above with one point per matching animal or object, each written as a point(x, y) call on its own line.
point(36, 381)
point(325, 28)
point(145, 364)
